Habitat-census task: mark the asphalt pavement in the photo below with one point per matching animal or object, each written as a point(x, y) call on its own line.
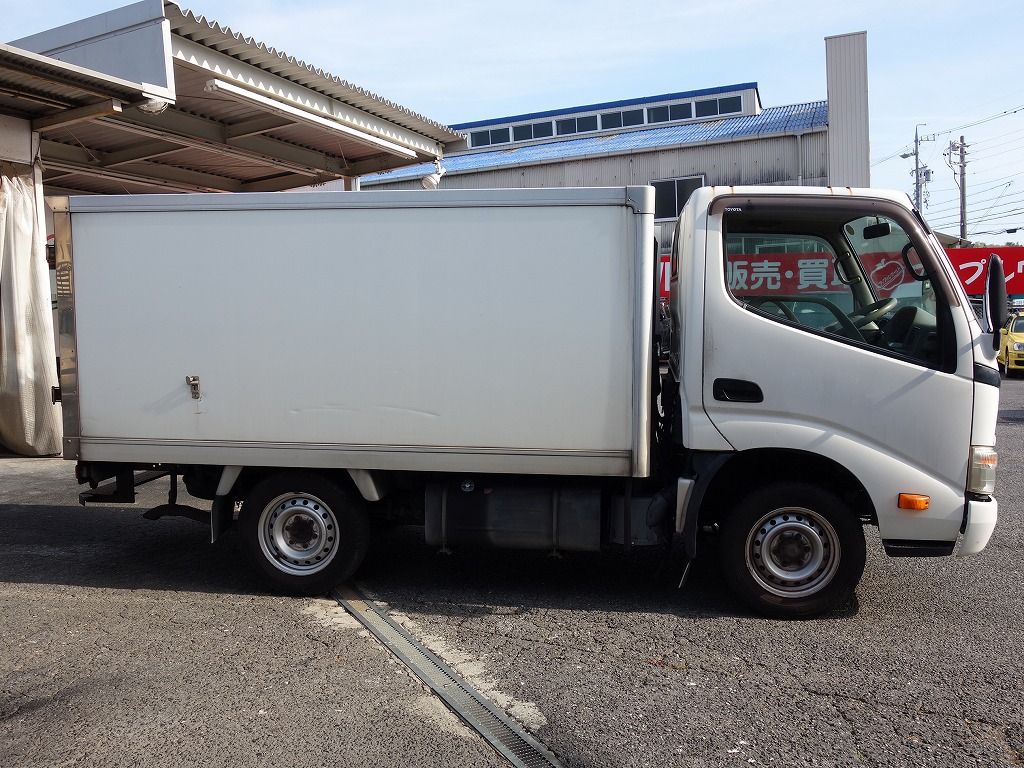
point(128, 642)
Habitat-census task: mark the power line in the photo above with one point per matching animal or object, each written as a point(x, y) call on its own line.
point(984, 120)
point(947, 207)
point(994, 202)
point(1000, 136)
point(906, 147)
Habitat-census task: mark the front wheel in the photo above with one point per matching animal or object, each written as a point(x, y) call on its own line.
point(792, 550)
point(303, 533)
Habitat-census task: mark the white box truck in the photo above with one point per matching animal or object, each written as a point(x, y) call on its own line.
point(481, 362)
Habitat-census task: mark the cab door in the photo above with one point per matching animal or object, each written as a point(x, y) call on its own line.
point(831, 329)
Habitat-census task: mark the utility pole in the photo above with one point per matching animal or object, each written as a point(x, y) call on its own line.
point(917, 171)
point(922, 174)
point(961, 147)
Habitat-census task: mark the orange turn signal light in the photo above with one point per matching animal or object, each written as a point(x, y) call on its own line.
point(914, 501)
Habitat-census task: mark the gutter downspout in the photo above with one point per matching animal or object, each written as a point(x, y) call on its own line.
point(799, 160)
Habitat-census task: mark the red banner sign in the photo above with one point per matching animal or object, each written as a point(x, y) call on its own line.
point(793, 273)
point(970, 264)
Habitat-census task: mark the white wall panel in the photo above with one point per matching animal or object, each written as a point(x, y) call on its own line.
point(846, 65)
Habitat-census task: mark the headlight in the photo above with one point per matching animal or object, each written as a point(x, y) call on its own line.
point(1018, 346)
point(981, 477)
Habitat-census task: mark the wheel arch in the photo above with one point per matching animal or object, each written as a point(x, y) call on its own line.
point(749, 469)
point(250, 476)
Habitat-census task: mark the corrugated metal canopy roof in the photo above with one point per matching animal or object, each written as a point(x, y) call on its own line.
point(210, 34)
point(34, 86)
point(791, 119)
point(244, 117)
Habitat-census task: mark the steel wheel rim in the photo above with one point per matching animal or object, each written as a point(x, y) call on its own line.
point(792, 552)
point(298, 533)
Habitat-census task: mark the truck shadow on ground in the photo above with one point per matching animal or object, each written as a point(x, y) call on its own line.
point(112, 548)
point(403, 571)
point(115, 548)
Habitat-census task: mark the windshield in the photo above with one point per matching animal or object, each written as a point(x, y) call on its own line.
point(887, 256)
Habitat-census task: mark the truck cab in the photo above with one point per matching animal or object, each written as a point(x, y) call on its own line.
point(841, 377)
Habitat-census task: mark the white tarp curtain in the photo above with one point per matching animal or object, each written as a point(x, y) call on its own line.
point(29, 421)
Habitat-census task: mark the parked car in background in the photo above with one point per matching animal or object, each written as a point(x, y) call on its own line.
point(1011, 346)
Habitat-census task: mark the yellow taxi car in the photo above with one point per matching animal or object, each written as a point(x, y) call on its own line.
point(1011, 346)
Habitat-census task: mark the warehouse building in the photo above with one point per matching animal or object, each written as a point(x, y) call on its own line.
point(676, 142)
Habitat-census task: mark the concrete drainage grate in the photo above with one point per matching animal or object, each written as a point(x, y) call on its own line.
point(514, 744)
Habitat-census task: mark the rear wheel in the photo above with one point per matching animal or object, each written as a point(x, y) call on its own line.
point(303, 532)
point(792, 550)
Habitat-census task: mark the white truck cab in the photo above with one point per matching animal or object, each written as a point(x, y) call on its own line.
point(805, 383)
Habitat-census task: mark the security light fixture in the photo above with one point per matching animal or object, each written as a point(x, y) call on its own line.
point(153, 105)
point(431, 180)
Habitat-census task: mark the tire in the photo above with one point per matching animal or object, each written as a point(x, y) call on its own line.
point(792, 550)
point(303, 533)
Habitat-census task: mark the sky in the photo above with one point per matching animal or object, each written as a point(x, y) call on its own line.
point(947, 69)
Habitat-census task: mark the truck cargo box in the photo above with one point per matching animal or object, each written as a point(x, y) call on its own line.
point(483, 330)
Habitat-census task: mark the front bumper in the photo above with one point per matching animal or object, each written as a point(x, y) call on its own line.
point(979, 522)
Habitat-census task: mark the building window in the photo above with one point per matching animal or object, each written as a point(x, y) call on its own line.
point(611, 120)
point(680, 111)
point(730, 105)
point(572, 125)
point(707, 108)
point(633, 117)
point(671, 195)
point(487, 138)
point(657, 114)
point(530, 131)
point(628, 118)
point(496, 136)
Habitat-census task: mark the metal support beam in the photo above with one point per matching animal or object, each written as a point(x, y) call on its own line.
point(200, 133)
point(255, 126)
point(145, 151)
point(79, 115)
point(64, 157)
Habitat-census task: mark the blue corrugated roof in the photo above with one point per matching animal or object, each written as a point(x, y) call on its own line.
point(607, 105)
point(790, 119)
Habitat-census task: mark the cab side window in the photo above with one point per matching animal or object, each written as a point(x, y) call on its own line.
point(790, 276)
point(860, 280)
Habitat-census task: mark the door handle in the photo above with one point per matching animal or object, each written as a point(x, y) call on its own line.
point(737, 391)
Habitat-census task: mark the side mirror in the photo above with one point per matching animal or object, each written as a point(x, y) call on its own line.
point(995, 298)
